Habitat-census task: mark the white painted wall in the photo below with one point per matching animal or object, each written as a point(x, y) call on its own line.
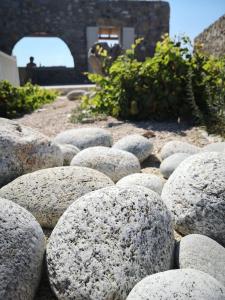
point(8, 69)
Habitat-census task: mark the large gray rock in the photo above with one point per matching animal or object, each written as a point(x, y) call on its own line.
point(75, 95)
point(150, 181)
point(170, 164)
point(68, 152)
point(136, 144)
point(107, 241)
point(202, 253)
point(22, 245)
point(113, 162)
point(183, 284)
point(85, 137)
point(173, 147)
point(215, 147)
point(24, 150)
point(195, 194)
point(48, 193)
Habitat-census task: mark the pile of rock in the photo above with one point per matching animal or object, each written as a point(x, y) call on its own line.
point(109, 241)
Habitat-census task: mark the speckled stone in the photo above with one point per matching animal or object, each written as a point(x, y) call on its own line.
point(47, 193)
point(107, 241)
point(169, 165)
point(135, 144)
point(84, 138)
point(68, 151)
point(113, 162)
point(150, 181)
point(215, 147)
point(182, 284)
point(173, 147)
point(22, 245)
point(202, 253)
point(195, 194)
point(24, 150)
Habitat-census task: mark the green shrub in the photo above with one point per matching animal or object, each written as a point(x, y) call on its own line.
point(16, 101)
point(176, 82)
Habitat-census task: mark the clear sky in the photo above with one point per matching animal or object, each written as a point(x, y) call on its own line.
point(189, 17)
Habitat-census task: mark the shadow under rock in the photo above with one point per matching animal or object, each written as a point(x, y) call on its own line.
point(151, 162)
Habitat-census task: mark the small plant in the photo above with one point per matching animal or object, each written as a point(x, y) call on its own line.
point(16, 101)
point(177, 82)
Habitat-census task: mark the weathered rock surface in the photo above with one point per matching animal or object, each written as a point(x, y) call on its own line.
point(75, 95)
point(85, 137)
point(150, 181)
point(107, 241)
point(195, 194)
point(173, 147)
point(24, 150)
point(135, 144)
point(202, 253)
point(215, 147)
point(169, 165)
point(22, 247)
point(68, 152)
point(182, 284)
point(47, 193)
point(113, 162)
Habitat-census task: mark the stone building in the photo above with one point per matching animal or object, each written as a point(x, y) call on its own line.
point(81, 23)
point(213, 38)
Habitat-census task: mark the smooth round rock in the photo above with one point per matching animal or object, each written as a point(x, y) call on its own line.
point(75, 95)
point(47, 193)
point(182, 284)
point(84, 138)
point(169, 165)
point(135, 144)
point(107, 241)
point(202, 253)
point(173, 147)
point(24, 150)
point(195, 194)
point(150, 181)
point(115, 163)
point(68, 151)
point(215, 147)
point(22, 245)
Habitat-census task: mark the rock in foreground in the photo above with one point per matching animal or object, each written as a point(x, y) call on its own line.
point(47, 193)
point(169, 165)
point(107, 241)
point(195, 194)
point(24, 150)
point(182, 284)
point(113, 162)
point(22, 247)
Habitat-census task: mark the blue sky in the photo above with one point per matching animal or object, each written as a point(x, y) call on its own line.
point(189, 17)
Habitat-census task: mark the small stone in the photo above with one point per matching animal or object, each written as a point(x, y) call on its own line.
point(173, 147)
point(195, 194)
point(202, 253)
point(22, 245)
point(107, 241)
point(115, 163)
point(170, 164)
point(150, 181)
point(75, 95)
point(47, 193)
point(85, 137)
point(68, 151)
point(182, 284)
point(136, 144)
point(215, 147)
point(24, 150)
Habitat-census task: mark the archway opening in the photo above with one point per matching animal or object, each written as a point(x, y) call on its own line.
point(52, 64)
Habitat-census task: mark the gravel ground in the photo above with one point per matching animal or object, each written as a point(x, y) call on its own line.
point(54, 118)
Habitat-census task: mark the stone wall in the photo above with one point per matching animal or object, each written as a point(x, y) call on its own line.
point(8, 69)
point(213, 38)
point(69, 20)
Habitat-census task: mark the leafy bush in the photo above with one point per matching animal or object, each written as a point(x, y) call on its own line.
point(176, 82)
point(16, 101)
